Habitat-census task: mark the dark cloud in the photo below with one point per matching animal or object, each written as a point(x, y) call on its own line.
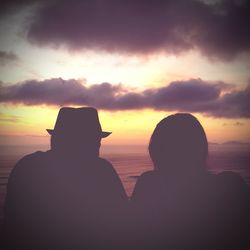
point(219, 29)
point(7, 57)
point(235, 104)
point(13, 6)
point(194, 95)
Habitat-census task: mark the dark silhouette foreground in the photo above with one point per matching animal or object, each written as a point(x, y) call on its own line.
point(180, 205)
point(67, 197)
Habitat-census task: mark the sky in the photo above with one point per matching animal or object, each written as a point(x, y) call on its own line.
point(136, 61)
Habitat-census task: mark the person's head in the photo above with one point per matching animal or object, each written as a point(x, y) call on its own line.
point(179, 144)
point(77, 132)
point(76, 145)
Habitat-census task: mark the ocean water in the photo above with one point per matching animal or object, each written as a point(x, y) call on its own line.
point(131, 161)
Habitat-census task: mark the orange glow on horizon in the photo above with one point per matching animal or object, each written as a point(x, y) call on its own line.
point(29, 124)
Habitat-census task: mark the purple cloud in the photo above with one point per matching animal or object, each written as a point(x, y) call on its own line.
point(7, 57)
point(219, 29)
point(236, 104)
point(194, 95)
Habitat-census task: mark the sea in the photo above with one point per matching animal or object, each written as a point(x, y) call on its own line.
point(130, 161)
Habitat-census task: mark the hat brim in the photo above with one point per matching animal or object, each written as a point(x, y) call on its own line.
point(103, 133)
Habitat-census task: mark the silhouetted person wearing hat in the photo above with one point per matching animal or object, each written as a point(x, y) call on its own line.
point(180, 205)
point(67, 197)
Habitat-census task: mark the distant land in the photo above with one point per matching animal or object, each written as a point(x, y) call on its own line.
point(213, 143)
point(236, 143)
point(230, 143)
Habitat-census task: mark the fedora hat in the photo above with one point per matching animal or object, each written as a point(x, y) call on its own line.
point(78, 121)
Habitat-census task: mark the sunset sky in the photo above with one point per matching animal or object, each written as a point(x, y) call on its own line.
point(136, 61)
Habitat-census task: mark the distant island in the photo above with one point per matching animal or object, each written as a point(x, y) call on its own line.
point(236, 143)
point(213, 143)
point(230, 143)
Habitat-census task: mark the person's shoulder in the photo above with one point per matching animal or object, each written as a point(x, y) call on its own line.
point(104, 162)
point(232, 182)
point(105, 165)
point(30, 158)
point(145, 187)
point(147, 179)
point(34, 156)
point(229, 177)
point(25, 169)
point(28, 161)
point(148, 176)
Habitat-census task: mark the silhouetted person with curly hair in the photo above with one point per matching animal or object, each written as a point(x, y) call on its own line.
point(180, 205)
point(67, 197)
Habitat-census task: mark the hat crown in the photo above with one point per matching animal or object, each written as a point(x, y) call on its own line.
point(77, 119)
point(82, 120)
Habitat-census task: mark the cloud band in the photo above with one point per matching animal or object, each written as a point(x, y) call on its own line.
point(215, 99)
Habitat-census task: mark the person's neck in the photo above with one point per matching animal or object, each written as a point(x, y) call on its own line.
point(182, 172)
point(73, 156)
